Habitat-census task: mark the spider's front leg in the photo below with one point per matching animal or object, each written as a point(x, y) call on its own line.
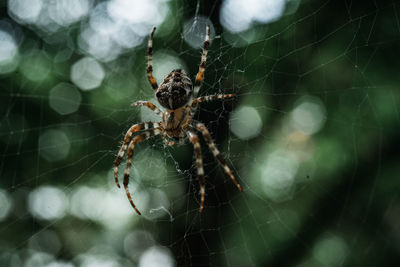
point(194, 139)
point(148, 104)
point(202, 67)
point(197, 101)
point(150, 77)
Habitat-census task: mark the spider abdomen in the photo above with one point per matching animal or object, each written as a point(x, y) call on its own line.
point(175, 91)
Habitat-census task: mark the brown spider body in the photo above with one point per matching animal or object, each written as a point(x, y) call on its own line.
point(179, 97)
point(173, 94)
point(175, 91)
point(175, 122)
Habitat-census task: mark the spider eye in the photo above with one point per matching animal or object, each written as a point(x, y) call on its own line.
point(158, 94)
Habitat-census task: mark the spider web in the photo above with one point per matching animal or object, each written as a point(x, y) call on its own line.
point(310, 136)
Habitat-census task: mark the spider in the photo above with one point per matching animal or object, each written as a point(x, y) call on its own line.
point(179, 98)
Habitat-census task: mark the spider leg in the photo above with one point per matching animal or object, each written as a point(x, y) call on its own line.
point(137, 139)
point(200, 73)
point(166, 141)
point(128, 135)
point(199, 100)
point(152, 81)
point(206, 134)
point(194, 139)
point(149, 105)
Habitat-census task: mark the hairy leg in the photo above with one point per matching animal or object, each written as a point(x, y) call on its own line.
point(194, 139)
point(137, 139)
point(206, 134)
point(202, 68)
point(149, 105)
point(207, 98)
point(150, 77)
point(128, 135)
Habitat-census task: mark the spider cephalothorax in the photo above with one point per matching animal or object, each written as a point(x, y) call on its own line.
point(177, 95)
point(175, 91)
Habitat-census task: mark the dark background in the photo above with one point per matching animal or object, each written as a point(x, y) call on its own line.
point(342, 207)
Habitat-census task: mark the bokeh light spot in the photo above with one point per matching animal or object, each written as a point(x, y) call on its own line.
point(5, 204)
point(47, 202)
point(38, 259)
point(66, 12)
point(309, 115)
point(238, 16)
point(36, 65)
point(98, 43)
point(64, 98)
point(59, 264)
point(87, 73)
point(84, 203)
point(116, 26)
point(98, 260)
point(26, 11)
point(157, 257)
point(331, 251)
point(245, 122)
point(54, 145)
point(107, 207)
point(278, 174)
point(135, 243)
point(8, 53)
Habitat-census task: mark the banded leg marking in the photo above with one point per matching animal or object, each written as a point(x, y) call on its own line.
point(200, 73)
point(128, 135)
point(206, 134)
point(149, 105)
point(207, 98)
point(194, 139)
point(137, 139)
point(150, 77)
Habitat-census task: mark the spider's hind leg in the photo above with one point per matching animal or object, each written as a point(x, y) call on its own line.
point(194, 139)
point(137, 139)
point(135, 128)
point(206, 134)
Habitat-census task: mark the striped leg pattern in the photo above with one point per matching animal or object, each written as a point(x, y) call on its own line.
point(207, 98)
point(200, 74)
point(152, 81)
point(149, 105)
point(135, 128)
point(194, 139)
point(137, 139)
point(206, 134)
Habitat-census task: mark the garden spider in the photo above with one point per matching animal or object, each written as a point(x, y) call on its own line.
point(179, 97)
